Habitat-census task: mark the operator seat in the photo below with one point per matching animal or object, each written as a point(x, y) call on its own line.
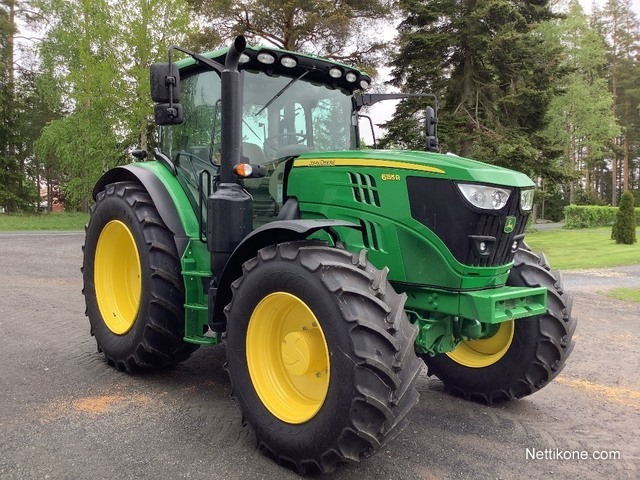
point(253, 153)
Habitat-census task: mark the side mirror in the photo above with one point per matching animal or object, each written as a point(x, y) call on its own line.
point(165, 90)
point(431, 122)
point(168, 114)
point(165, 82)
point(432, 133)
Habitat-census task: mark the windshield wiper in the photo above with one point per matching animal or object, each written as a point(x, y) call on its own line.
point(277, 95)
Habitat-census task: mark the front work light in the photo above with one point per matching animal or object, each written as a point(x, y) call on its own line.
point(288, 62)
point(266, 57)
point(486, 197)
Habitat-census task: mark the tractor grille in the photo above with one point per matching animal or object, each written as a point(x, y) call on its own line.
point(439, 205)
point(364, 189)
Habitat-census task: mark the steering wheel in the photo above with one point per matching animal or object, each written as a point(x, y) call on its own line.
point(272, 144)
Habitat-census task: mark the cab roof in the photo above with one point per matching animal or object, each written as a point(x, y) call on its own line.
point(277, 62)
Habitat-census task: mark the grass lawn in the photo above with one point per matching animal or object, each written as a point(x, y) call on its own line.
point(584, 248)
point(627, 294)
point(44, 221)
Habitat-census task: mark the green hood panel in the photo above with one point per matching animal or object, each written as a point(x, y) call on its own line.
point(447, 166)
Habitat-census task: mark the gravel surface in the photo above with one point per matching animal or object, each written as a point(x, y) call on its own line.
point(65, 414)
point(603, 278)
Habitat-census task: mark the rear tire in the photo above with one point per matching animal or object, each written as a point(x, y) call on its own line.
point(132, 281)
point(347, 387)
point(524, 355)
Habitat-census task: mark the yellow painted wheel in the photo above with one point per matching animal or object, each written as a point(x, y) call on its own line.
point(287, 357)
point(117, 277)
point(484, 351)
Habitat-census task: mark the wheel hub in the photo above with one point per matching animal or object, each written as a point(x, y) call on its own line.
point(302, 352)
point(484, 352)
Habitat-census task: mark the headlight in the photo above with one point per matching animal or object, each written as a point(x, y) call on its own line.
point(526, 200)
point(486, 197)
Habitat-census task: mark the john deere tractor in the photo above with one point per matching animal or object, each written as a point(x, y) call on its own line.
point(330, 271)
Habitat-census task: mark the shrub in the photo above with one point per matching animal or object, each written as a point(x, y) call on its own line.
point(588, 216)
point(625, 223)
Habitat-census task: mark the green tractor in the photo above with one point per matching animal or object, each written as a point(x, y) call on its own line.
point(331, 272)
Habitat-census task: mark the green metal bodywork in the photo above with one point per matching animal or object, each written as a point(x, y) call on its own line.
point(412, 252)
point(196, 259)
point(449, 301)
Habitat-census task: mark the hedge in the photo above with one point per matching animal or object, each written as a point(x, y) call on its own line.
point(587, 216)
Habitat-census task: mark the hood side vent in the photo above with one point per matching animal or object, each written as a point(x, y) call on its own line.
point(364, 189)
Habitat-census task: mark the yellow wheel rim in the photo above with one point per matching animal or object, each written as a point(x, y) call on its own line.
point(118, 277)
point(288, 358)
point(484, 351)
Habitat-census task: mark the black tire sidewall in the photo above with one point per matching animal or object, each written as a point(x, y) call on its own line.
point(335, 412)
point(495, 377)
point(505, 378)
point(114, 207)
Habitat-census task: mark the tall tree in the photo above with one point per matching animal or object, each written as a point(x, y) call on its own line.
point(620, 27)
point(152, 25)
point(97, 58)
point(339, 29)
point(16, 190)
point(492, 69)
point(581, 120)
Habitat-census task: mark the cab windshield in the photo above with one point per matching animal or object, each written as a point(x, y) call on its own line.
point(304, 117)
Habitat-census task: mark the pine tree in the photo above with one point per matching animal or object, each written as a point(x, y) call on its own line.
point(492, 68)
point(17, 191)
point(580, 119)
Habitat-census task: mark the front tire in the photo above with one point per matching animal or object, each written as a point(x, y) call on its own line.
point(320, 354)
point(523, 355)
point(132, 281)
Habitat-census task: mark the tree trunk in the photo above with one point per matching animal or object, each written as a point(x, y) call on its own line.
point(11, 44)
point(466, 145)
point(614, 94)
point(625, 163)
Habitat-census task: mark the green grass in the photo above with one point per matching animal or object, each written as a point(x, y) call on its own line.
point(584, 248)
point(626, 294)
point(44, 221)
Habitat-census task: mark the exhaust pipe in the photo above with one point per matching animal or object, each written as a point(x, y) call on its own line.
point(230, 207)
point(231, 132)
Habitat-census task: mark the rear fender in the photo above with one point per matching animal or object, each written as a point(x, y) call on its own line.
point(166, 193)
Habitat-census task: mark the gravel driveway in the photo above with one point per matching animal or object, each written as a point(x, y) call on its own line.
point(64, 414)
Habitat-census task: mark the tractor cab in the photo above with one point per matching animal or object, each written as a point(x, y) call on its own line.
point(290, 104)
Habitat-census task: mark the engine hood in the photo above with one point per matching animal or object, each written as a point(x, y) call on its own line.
point(447, 166)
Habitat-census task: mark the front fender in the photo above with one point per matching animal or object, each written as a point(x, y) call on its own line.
point(269, 234)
